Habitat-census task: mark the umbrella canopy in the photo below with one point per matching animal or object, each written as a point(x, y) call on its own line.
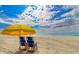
point(18, 29)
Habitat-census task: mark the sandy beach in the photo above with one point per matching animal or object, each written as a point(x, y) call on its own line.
point(46, 44)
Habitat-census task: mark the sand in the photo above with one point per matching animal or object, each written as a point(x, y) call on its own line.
point(46, 44)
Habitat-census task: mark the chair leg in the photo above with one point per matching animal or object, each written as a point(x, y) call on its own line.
point(22, 48)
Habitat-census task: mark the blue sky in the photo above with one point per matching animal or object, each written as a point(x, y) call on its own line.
point(63, 16)
point(12, 10)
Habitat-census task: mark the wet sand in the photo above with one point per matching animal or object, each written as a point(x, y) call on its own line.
point(46, 45)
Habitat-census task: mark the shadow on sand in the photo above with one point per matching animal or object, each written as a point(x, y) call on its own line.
point(26, 52)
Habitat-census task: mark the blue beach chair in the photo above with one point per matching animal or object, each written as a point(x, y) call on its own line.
point(22, 43)
point(30, 42)
point(31, 45)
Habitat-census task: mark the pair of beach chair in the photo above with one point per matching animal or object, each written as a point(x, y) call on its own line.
point(28, 44)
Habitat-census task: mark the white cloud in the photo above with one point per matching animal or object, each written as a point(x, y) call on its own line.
point(13, 20)
point(39, 14)
point(2, 21)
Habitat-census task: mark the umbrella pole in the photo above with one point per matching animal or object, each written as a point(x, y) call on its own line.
point(20, 46)
point(19, 41)
point(19, 36)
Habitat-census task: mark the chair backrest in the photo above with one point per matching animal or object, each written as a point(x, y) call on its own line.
point(30, 40)
point(22, 39)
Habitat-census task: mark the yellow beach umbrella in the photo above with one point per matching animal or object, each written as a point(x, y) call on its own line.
point(18, 29)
